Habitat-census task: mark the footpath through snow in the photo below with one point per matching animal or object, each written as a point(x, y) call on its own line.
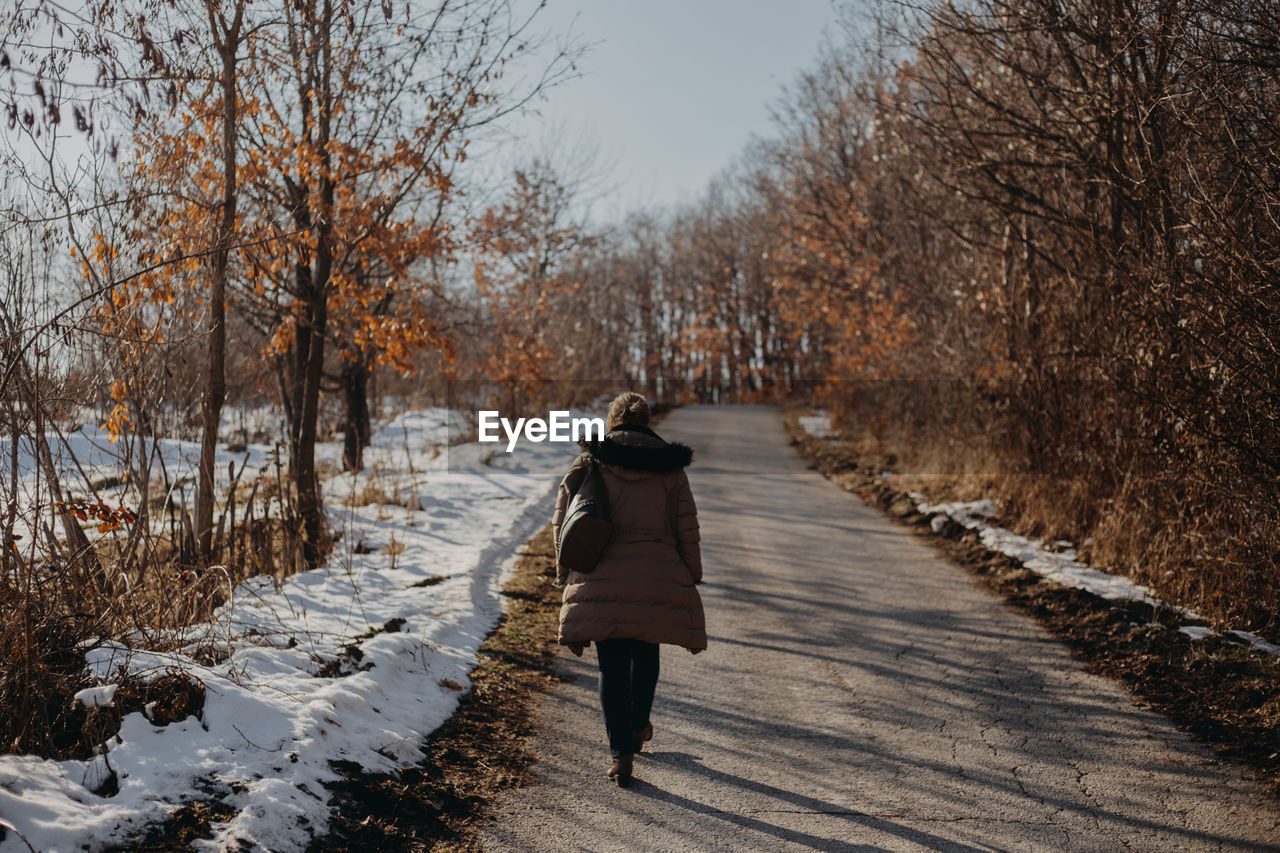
point(419, 576)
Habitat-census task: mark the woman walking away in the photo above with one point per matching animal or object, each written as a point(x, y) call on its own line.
point(641, 593)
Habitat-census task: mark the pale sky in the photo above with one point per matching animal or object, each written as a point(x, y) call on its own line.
point(669, 92)
point(672, 91)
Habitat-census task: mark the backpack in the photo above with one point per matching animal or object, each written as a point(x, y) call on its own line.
point(586, 527)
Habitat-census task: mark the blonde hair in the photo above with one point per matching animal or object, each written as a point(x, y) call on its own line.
point(629, 408)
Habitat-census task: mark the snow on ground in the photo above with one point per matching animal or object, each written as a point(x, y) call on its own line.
point(86, 455)
point(817, 425)
point(439, 427)
point(1255, 642)
point(1061, 566)
point(271, 726)
point(90, 464)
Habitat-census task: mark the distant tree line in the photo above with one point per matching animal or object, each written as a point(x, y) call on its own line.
point(1034, 239)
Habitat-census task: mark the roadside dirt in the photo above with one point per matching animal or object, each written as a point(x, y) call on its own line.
point(1225, 695)
point(484, 747)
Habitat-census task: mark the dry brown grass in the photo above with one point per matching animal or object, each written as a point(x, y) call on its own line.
point(1196, 542)
point(375, 494)
point(132, 584)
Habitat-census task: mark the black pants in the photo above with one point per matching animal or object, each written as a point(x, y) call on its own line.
point(628, 678)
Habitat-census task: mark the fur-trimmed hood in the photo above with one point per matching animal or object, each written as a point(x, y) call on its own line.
point(638, 448)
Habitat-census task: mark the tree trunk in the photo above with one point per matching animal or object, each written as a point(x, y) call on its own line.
point(306, 485)
point(305, 482)
point(356, 428)
point(216, 385)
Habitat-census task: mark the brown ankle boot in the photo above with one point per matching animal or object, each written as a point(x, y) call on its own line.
point(641, 736)
point(620, 772)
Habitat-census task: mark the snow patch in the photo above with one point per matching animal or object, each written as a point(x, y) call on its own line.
point(275, 716)
point(817, 425)
point(1256, 643)
point(1059, 566)
point(96, 697)
point(1057, 562)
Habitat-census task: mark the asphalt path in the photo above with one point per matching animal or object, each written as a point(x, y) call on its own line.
point(861, 693)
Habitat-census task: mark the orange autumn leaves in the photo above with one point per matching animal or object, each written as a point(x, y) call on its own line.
point(175, 174)
point(531, 254)
point(108, 517)
point(372, 287)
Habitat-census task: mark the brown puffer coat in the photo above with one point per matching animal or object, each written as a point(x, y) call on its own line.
point(643, 587)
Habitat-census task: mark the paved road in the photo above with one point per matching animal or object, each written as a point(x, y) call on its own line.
point(860, 693)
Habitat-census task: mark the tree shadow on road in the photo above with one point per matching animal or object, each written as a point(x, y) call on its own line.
point(796, 804)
